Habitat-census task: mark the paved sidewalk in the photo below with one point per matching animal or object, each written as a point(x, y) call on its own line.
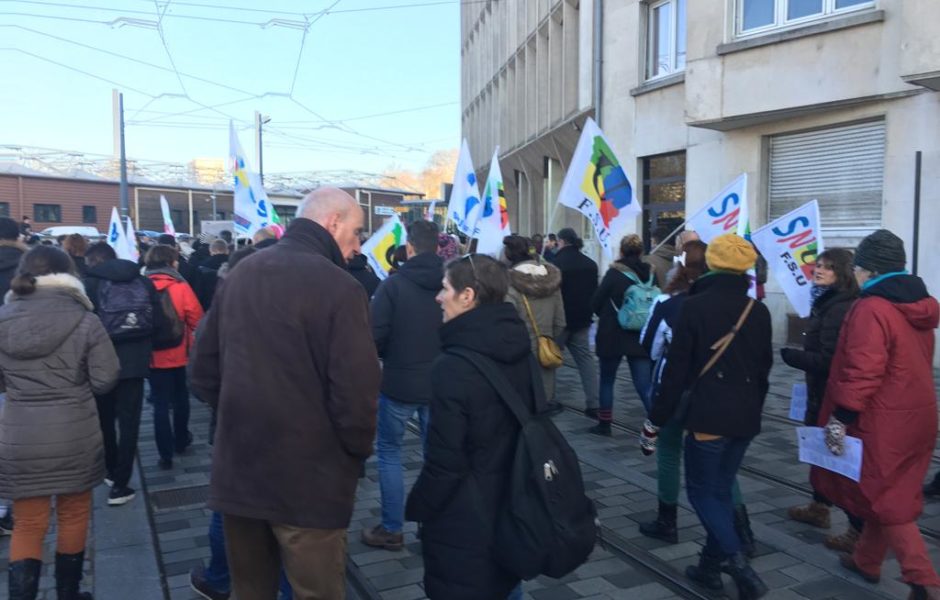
point(144, 550)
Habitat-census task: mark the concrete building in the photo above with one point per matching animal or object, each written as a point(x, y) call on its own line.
point(826, 99)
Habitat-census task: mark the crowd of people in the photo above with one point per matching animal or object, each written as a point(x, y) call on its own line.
point(309, 363)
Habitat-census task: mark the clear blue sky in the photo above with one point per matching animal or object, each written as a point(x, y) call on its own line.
point(353, 64)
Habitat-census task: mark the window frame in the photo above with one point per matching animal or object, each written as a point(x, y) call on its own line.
point(94, 213)
point(650, 60)
point(4, 209)
point(781, 23)
point(55, 208)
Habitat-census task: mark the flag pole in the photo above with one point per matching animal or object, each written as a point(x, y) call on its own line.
point(669, 237)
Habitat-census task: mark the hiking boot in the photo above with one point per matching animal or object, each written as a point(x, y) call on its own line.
point(6, 523)
point(602, 428)
point(707, 572)
point(664, 527)
point(848, 562)
point(68, 575)
point(742, 526)
point(814, 513)
point(590, 413)
point(844, 542)
point(120, 496)
point(197, 581)
point(379, 537)
point(750, 585)
point(921, 592)
point(24, 579)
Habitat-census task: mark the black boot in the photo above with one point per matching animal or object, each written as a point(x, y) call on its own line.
point(742, 526)
point(750, 586)
point(602, 428)
point(708, 571)
point(68, 574)
point(664, 527)
point(24, 579)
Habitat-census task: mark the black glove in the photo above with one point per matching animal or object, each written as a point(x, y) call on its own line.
point(789, 356)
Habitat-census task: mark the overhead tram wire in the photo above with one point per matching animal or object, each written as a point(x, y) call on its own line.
point(203, 18)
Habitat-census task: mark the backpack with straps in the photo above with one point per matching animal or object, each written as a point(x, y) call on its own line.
point(170, 335)
point(548, 525)
point(637, 302)
point(125, 309)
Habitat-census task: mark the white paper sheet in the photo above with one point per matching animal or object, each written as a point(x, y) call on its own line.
point(798, 402)
point(813, 450)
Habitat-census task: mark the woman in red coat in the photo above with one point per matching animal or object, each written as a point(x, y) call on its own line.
point(168, 366)
point(881, 390)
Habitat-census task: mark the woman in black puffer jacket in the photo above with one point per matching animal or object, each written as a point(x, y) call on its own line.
point(834, 292)
point(472, 435)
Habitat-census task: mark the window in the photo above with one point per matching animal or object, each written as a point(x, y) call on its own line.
point(665, 38)
point(89, 214)
point(759, 16)
point(841, 167)
point(4, 209)
point(47, 213)
point(663, 193)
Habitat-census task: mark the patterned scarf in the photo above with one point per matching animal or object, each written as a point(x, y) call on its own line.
point(817, 291)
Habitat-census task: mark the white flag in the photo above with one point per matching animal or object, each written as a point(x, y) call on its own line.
point(252, 210)
point(791, 244)
point(117, 237)
point(597, 187)
point(725, 213)
point(464, 206)
point(382, 244)
point(493, 224)
point(131, 239)
point(167, 220)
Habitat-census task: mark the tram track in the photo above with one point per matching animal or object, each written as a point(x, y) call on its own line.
point(638, 558)
point(754, 472)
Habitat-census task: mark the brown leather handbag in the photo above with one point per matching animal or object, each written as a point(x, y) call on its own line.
point(549, 354)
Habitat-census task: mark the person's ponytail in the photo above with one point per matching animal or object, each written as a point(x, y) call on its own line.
point(23, 284)
point(41, 260)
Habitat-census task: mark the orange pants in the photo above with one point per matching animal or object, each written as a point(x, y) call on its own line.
point(32, 522)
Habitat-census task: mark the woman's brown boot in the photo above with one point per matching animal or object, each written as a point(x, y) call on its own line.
point(814, 513)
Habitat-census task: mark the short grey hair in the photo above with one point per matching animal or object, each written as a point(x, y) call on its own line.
point(322, 203)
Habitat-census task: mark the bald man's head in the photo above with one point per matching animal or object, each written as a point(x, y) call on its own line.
point(338, 213)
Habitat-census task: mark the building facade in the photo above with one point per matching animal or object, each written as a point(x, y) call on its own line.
point(824, 99)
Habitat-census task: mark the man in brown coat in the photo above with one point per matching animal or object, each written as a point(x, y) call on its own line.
point(288, 360)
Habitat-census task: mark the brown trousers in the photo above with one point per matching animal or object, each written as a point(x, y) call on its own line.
point(32, 521)
point(314, 559)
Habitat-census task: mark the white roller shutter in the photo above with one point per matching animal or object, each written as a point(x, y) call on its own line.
point(842, 167)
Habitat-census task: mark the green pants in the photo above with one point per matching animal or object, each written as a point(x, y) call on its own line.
point(668, 460)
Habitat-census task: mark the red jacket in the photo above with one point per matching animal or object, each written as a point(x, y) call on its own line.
point(882, 370)
point(188, 309)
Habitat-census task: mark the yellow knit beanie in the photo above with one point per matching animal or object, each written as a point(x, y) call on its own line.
point(730, 252)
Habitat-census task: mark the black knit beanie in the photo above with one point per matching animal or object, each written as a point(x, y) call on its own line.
point(881, 252)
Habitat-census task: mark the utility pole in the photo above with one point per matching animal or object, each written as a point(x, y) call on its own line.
point(260, 120)
point(117, 101)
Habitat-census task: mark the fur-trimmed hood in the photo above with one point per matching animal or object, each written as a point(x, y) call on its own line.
point(537, 279)
point(37, 324)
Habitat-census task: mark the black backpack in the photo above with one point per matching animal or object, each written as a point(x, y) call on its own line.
point(172, 330)
point(125, 309)
point(549, 524)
